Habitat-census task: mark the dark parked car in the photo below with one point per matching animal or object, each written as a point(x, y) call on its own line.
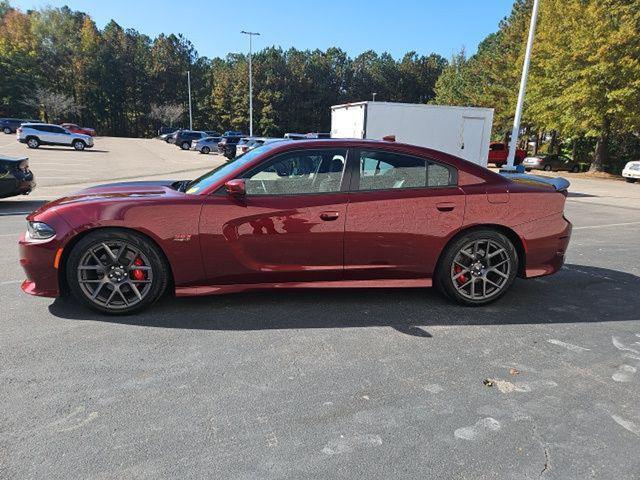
point(15, 177)
point(306, 214)
point(227, 145)
point(10, 125)
point(551, 163)
point(184, 138)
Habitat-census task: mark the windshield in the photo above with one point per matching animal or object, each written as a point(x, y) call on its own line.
point(205, 181)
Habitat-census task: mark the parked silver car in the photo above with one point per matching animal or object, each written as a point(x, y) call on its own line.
point(36, 134)
point(550, 163)
point(207, 145)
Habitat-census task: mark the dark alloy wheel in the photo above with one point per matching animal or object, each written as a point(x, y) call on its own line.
point(547, 168)
point(78, 145)
point(185, 145)
point(7, 130)
point(116, 272)
point(205, 150)
point(630, 180)
point(477, 268)
point(33, 142)
point(575, 169)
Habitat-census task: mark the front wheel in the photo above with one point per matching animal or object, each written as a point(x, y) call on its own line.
point(477, 268)
point(575, 169)
point(6, 130)
point(78, 145)
point(185, 145)
point(547, 168)
point(116, 272)
point(205, 150)
point(630, 180)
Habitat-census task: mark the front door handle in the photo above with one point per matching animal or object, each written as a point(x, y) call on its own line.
point(329, 216)
point(446, 206)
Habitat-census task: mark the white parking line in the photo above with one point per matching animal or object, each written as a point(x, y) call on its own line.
point(10, 235)
point(11, 282)
point(590, 227)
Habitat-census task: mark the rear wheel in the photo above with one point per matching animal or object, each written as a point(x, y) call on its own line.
point(205, 150)
point(78, 145)
point(33, 142)
point(477, 268)
point(185, 145)
point(630, 180)
point(116, 272)
point(6, 130)
point(575, 169)
point(547, 168)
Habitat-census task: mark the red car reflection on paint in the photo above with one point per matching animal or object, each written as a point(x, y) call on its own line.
point(303, 214)
point(72, 127)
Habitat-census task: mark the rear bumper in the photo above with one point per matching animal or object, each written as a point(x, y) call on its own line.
point(545, 241)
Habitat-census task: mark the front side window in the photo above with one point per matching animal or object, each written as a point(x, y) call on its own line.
point(387, 171)
point(310, 171)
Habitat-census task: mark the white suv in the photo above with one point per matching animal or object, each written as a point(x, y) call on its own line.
point(36, 134)
point(631, 171)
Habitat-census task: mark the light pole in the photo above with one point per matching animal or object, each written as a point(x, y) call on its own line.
point(189, 88)
point(251, 34)
point(523, 87)
point(374, 96)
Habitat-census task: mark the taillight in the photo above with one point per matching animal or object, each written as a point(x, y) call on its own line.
point(19, 130)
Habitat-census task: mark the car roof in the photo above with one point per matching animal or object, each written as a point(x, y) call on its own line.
point(39, 124)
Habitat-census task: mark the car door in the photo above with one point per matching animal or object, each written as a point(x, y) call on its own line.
point(402, 209)
point(289, 227)
point(59, 135)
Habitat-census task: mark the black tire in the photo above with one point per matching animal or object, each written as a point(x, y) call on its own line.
point(158, 272)
point(446, 270)
point(185, 145)
point(33, 142)
point(78, 145)
point(575, 169)
point(547, 168)
point(7, 130)
point(205, 150)
point(630, 180)
point(167, 140)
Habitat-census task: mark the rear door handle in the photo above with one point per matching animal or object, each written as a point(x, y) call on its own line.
point(329, 216)
point(446, 206)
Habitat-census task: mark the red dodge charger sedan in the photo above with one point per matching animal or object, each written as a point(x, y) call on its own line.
point(303, 214)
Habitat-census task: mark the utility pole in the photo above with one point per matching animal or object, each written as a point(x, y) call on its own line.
point(523, 87)
point(189, 88)
point(251, 34)
point(374, 96)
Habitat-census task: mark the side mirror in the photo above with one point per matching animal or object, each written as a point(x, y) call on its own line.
point(236, 187)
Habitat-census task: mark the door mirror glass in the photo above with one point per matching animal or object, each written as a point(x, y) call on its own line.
point(236, 187)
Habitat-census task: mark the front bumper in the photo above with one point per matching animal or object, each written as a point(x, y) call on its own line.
point(37, 260)
point(628, 173)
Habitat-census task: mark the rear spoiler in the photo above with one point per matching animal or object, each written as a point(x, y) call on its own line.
point(558, 183)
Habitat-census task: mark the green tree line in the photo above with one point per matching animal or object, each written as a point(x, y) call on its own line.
point(117, 75)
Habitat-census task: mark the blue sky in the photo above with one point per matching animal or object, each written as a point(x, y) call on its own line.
point(355, 26)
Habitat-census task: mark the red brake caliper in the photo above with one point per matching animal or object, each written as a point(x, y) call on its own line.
point(462, 279)
point(138, 274)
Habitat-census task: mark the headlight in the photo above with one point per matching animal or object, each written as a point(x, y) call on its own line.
point(39, 230)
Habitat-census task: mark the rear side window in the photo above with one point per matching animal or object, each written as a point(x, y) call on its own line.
point(387, 170)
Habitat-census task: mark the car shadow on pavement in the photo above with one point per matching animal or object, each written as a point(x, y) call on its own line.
point(19, 207)
point(70, 149)
point(576, 294)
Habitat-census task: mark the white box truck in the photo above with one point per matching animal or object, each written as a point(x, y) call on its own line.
point(461, 131)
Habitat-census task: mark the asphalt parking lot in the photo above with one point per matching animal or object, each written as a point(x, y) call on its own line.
point(326, 384)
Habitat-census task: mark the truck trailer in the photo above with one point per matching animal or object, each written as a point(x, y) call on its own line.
point(461, 131)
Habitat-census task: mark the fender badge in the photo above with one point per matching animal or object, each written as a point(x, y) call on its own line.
point(182, 237)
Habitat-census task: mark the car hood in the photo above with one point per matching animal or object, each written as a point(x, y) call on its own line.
point(113, 191)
